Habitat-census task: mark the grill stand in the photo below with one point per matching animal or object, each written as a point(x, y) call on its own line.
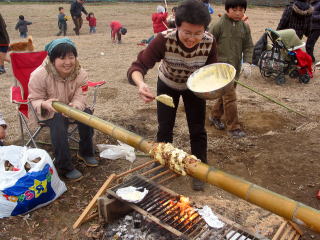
point(111, 207)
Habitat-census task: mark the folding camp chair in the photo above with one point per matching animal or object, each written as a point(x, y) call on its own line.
point(23, 64)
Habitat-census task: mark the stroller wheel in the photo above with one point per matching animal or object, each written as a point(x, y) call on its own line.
point(305, 78)
point(280, 80)
point(294, 74)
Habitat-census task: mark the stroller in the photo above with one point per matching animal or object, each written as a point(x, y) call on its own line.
point(280, 58)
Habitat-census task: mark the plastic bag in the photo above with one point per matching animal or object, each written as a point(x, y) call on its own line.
point(28, 180)
point(114, 152)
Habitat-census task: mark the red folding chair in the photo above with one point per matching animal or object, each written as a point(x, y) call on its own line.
point(23, 64)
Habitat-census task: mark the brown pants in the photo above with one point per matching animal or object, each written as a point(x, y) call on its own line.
point(77, 24)
point(227, 106)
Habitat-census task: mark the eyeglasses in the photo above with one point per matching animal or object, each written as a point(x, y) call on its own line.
point(192, 35)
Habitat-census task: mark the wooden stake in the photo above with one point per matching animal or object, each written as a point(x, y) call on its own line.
point(93, 202)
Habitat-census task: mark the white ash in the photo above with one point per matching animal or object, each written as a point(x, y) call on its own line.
point(124, 229)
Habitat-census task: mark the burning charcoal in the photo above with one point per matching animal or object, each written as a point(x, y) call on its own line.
point(137, 220)
point(128, 218)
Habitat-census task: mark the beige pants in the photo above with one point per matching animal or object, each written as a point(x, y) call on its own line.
point(227, 106)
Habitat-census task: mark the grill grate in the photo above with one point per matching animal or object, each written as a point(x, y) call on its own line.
point(161, 206)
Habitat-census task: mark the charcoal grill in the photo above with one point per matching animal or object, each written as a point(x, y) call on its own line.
point(160, 206)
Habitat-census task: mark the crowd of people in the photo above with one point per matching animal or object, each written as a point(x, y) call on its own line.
point(183, 42)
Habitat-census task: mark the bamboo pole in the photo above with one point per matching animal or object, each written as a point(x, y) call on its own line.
point(270, 98)
point(114, 131)
point(273, 202)
point(276, 203)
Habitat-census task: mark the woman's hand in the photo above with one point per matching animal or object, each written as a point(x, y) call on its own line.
point(47, 105)
point(145, 92)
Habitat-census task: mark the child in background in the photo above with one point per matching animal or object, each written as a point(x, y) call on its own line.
point(159, 20)
point(234, 40)
point(3, 128)
point(116, 31)
point(171, 20)
point(207, 4)
point(92, 22)
point(4, 44)
point(22, 26)
point(62, 22)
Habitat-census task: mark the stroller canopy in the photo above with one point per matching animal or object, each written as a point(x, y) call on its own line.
point(288, 37)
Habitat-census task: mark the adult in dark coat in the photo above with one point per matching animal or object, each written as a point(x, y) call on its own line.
point(75, 11)
point(4, 43)
point(315, 28)
point(297, 15)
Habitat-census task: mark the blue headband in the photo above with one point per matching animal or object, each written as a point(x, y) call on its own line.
point(51, 45)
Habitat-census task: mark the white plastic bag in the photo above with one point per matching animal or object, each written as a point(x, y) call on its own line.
point(23, 190)
point(211, 219)
point(114, 152)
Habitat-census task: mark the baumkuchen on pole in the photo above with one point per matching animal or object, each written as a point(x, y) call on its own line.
point(276, 203)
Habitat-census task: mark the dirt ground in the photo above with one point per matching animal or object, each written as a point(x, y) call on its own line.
point(280, 152)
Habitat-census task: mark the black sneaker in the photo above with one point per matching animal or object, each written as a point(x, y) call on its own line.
point(197, 185)
point(2, 71)
point(237, 133)
point(216, 123)
point(73, 175)
point(89, 161)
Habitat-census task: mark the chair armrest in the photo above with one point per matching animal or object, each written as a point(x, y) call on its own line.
point(16, 96)
point(95, 84)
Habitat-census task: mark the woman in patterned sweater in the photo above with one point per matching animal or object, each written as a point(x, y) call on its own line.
point(181, 51)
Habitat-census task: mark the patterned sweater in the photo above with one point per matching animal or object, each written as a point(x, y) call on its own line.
point(178, 62)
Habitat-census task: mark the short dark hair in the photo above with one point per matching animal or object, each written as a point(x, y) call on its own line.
point(123, 31)
point(174, 9)
point(61, 50)
point(21, 17)
point(235, 3)
point(193, 12)
point(60, 8)
point(90, 13)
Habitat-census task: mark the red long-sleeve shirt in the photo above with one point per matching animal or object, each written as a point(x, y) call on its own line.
point(115, 28)
point(92, 21)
